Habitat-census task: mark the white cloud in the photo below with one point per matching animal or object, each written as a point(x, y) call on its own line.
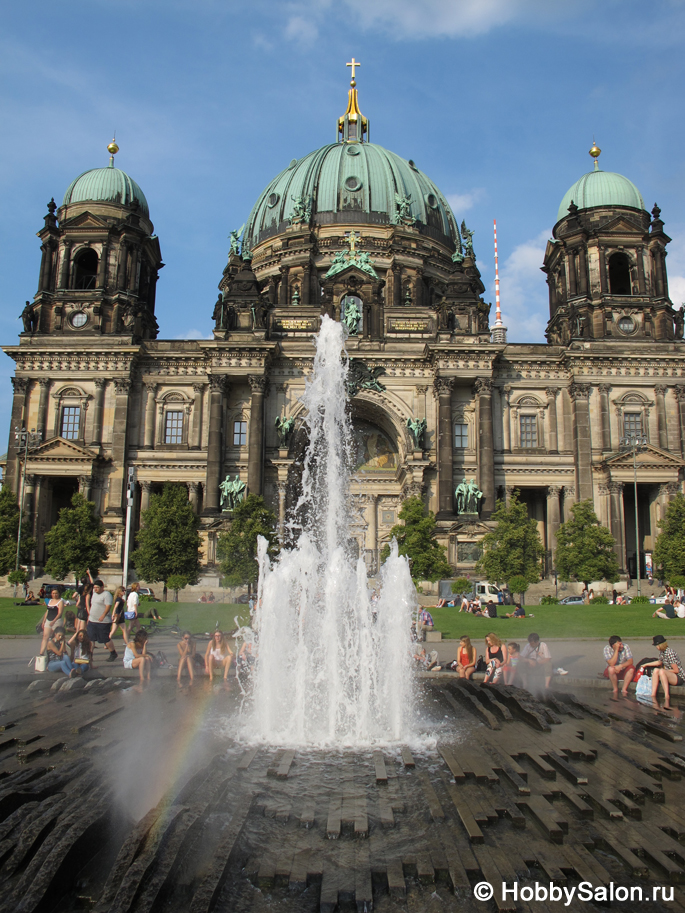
point(675, 265)
point(194, 334)
point(302, 29)
point(462, 202)
point(523, 291)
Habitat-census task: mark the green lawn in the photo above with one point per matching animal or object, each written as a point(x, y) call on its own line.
point(196, 617)
point(560, 621)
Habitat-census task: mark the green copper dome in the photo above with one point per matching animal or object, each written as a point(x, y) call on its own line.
point(601, 188)
point(350, 182)
point(107, 185)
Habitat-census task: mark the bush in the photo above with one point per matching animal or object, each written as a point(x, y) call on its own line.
point(639, 600)
point(600, 600)
point(461, 585)
point(17, 577)
point(518, 583)
point(677, 581)
point(146, 598)
point(549, 600)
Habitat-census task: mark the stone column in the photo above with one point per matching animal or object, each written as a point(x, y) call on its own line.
point(580, 395)
point(29, 494)
point(218, 386)
point(35, 525)
point(306, 284)
point(133, 268)
point(282, 487)
point(396, 286)
point(604, 414)
point(553, 516)
point(680, 397)
point(119, 429)
point(84, 485)
point(418, 287)
point(145, 488)
point(63, 280)
point(569, 498)
point(42, 418)
point(21, 386)
point(46, 266)
point(506, 418)
point(193, 490)
point(96, 436)
point(255, 468)
point(616, 521)
point(641, 284)
point(283, 287)
point(150, 410)
point(486, 449)
point(602, 270)
point(571, 269)
point(102, 266)
point(660, 391)
point(443, 390)
point(582, 269)
point(372, 531)
point(196, 443)
point(123, 265)
point(553, 441)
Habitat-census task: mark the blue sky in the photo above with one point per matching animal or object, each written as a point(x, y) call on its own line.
point(496, 100)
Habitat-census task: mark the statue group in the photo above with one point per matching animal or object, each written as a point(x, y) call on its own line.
point(232, 492)
point(468, 497)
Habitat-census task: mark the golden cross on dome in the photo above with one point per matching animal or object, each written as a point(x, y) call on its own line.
point(353, 64)
point(352, 240)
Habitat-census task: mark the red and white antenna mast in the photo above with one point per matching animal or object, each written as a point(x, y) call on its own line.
point(499, 331)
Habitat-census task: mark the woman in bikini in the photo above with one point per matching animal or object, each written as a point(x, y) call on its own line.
point(496, 656)
point(219, 654)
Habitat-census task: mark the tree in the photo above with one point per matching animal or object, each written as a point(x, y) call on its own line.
point(669, 548)
point(519, 584)
point(168, 541)
point(416, 540)
point(461, 585)
point(513, 548)
point(9, 526)
point(177, 582)
point(75, 543)
point(585, 548)
point(237, 548)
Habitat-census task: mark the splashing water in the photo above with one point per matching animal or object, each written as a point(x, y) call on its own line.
point(330, 669)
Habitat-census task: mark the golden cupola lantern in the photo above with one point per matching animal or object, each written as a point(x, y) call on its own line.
point(353, 127)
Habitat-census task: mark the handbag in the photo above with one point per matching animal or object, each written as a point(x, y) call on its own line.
point(129, 616)
point(41, 663)
point(644, 687)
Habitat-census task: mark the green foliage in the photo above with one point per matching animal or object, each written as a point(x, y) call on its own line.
point(513, 548)
point(237, 548)
point(168, 542)
point(600, 600)
point(17, 577)
point(518, 584)
point(9, 526)
point(585, 548)
point(416, 540)
point(74, 543)
point(677, 581)
point(177, 582)
point(461, 585)
point(638, 600)
point(669, 548)
point(549, 600)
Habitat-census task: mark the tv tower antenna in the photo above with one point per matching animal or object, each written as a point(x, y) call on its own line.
point(499, 331)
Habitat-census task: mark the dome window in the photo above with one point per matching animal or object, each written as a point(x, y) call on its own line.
point(79, 319)
point(432, 201)
point(353, 183)
point(85, 269)
point(626, 325)
point(353, 150)
point(619, 274)
point(273, 199)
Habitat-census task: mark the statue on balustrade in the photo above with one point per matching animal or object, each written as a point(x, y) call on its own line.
point(232, 492)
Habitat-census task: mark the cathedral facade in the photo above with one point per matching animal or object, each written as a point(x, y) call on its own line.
point(438, 396)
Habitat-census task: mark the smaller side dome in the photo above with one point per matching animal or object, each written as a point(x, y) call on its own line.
point(107, 185)
point(601, 188)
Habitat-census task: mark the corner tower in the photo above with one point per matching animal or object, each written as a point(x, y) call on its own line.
point(606, 264)
point(100, 260)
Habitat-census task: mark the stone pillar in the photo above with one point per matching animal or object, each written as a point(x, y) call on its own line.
point(602, 270)
point(283, 287)
point(508, 492)
point(569, 499)
point(21, 386)
point(46, 266)
point(218, 386)
point(29, 495)
point(418, 287)
point(96, 436)
point(63, 280)
point(123, 264)
point(119, 429)
point(42, 418)
point(571, 269)
point(443, 390)
point(616, 521)
point(580, 395)
point(396, 285)
point(680, 397)
point(553, 517)
point(553, 442)
point(102, 266)
point(582, 269)
point(145, 488)
point(133, 269)
point(255, 468)
point(306, 284)
point(150, 409)
point(604, 414)
point(506, 418)
point(486, 448)
point(35, 525)
point(84, 485)
point(660, 391)
point(196, 440)
point(372, 531)
point(641, 284)
point(282, 487)
point(193, 490)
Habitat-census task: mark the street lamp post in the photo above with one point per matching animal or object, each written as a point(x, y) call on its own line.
point(636, 443)
point(26, 440)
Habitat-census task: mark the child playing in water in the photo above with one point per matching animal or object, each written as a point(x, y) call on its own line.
point(186, 652)
point(512, 663)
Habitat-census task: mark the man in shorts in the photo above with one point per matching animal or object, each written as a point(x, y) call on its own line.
point(535, 657)
point(619, 664)
point(100, 618)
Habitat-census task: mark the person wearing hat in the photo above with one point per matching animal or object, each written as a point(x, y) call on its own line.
point(668, 670)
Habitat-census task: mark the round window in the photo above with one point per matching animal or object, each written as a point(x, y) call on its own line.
point(412, 165)
point(353, 150)
point(432, 201)
point(273, 199)
point(353, 183)
point(79, 319)
point(626, 325)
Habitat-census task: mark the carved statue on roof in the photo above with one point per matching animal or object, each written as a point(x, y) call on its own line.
point(29, 318)
point(302, 211)
point(235, 240)
point(680, 322)
point(468, 240)
point(403, 215)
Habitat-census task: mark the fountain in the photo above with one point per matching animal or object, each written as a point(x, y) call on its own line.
point(330, 670)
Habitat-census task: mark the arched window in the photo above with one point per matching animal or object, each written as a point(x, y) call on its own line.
point(85, 269)
point(619, 274)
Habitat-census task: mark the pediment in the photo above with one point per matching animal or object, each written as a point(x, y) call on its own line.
point(86, 220)
point(59, 448)
point(621, 225)
point(651, 456)
point(470, 528)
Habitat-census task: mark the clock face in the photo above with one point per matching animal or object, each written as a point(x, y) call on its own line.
point(79, 319)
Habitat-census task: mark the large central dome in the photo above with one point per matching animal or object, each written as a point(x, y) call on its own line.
point(350, 182)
